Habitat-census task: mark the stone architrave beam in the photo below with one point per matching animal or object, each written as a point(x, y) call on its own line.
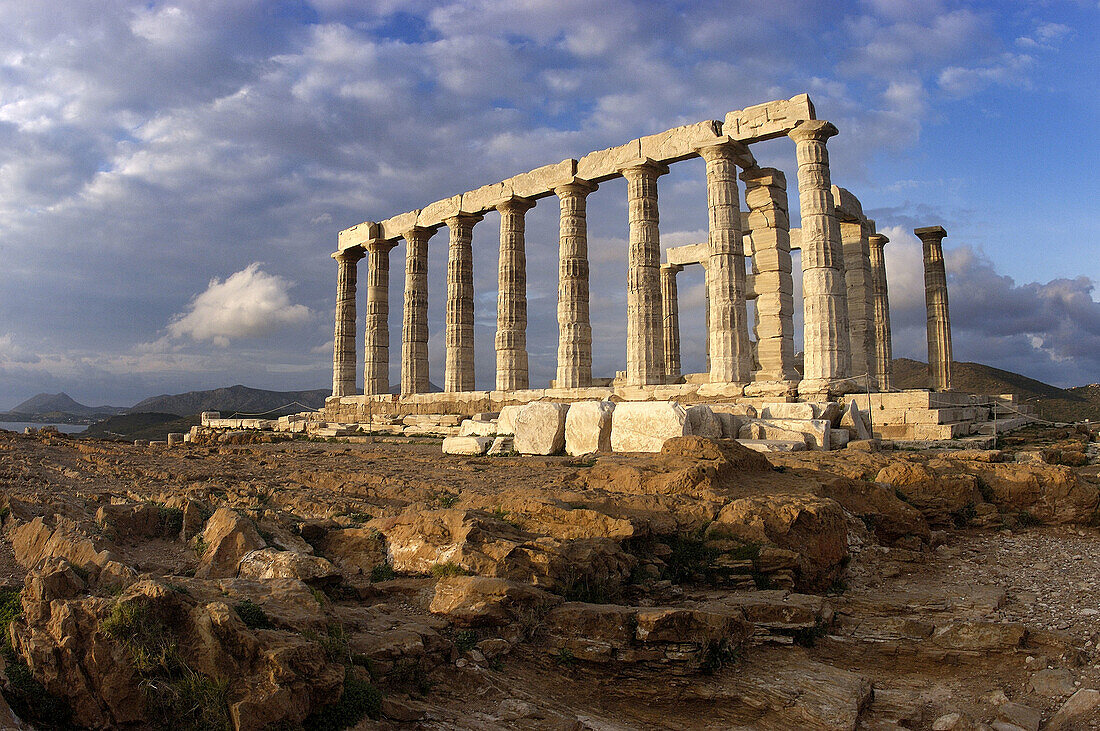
point(343, 342)
point(935, 301)
point(883, 344)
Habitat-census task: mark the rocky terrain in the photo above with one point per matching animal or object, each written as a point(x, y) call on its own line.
point(295, 584)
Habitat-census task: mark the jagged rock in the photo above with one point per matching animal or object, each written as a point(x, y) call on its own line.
point(479, 600)
point(938, 497)
point(130, 521)
point(354, 551)
point(980, 636)
point(228, 537)
point(540, 428)
point(588, 427)
point(1018, 716)
point(8, 720)
point(702, 422)
point(1053, 682)
point(812, 526)
point(1051, 493)
point(36, 542)
point(889, 517)
point(269, 563)
point(1081, 706)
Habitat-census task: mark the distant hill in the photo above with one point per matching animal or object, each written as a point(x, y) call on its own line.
point(61, 403)
point(1056, 404)
point(151, 426)
point(239, 399)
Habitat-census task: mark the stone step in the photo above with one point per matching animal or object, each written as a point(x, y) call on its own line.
point(1003, 426)
point(923, 432)
point(773, 445)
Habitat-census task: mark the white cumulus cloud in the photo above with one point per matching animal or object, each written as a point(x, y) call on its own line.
point(248, 304)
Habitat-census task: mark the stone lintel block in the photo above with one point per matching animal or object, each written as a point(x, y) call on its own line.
point(467, 445)
point(395, 227)
point(688, 254)
point(588, 427)
point(606, 164)
point(848, 207)
point(435, 214)
point(540, 428)
point(769, 120)
point(680, 143)
point(721, 390)
point(486, 197)
point(358, 235)
point(540, 182)
point(646, 426)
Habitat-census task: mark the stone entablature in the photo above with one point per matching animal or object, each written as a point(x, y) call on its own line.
point(843, 283)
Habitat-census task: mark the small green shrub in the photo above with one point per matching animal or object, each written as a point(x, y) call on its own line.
point(465, 641)
point(962, 517)
point(381, 572)
point(169, 520)
point(252, 615)
point(719, 654)
point(565, 657)
point(359, 700)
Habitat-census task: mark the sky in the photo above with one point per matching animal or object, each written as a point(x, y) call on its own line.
point(173, 175)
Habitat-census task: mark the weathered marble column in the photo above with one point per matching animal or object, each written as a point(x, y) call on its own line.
point(376, 360)
point(766, 199)
point(459, 373)
point(857, 277)
point(884, 355)
point(824, 291)
point(343, 342)
point(574, 327)
point(511, 337)
point(414, 326)
point(670, 317)
point(645, 353)
point(728, 327)
point(935, 301)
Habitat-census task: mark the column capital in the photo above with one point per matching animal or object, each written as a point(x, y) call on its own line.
point(727, 149)
point(515, 203)
point(350, 255)
point(814, 130)
point(418, 232)
point(468, 219)
point(642, 165)
point(878, 240)
point(577, 186)
point(671, 268)
point(379, 245)
point(764, 176)
point(931, 234)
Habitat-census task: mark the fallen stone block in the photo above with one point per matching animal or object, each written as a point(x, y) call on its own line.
point(588, 427)
point(702, 422)
point(540, 428)
point(773, 445)
point(502, 445)
point(839, 438)
point(476, 446)
point(644, 426)
point(506, 422)
point(477, 428)
point(853, 418)
point(1081, 706)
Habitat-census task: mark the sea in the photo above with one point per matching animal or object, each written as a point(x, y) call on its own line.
point(19, 426)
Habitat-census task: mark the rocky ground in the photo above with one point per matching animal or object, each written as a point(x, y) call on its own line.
point(317, 585)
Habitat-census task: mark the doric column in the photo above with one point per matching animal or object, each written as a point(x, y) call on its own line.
point(376, 360)
point(670, 317)
point(414, 326)
point(459, 373)
point(728, 327)
point(884, 356)
point(343, 342)
point(574, 328)
point(824, 291)
point(766, 198)
point(935, 301)
point(857, 277)
point(511, 338)
point(645, 350)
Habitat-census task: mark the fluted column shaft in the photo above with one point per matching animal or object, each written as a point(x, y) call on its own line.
point(645, 352)
point(857, 277)
point(730, 360)
point(343, 341)
point(670, 316)
point(414, 326)
point(824, 291)
point(769, 221)
point(574, 327)
point(511, 337)
point(884, 356)
point(376, 350)
point(935, 301)
point(459, 373)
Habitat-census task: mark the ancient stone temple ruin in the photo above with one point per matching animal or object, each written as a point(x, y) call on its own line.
point(747, 256)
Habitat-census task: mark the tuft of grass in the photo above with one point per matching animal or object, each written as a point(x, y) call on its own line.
point(441, 570)
point(169, 520)
point(253, 615)
point(962, 517)
point(719, 653)
point(1024, 519)
point(358, 700)
point(566, 657)
point(465, 641)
